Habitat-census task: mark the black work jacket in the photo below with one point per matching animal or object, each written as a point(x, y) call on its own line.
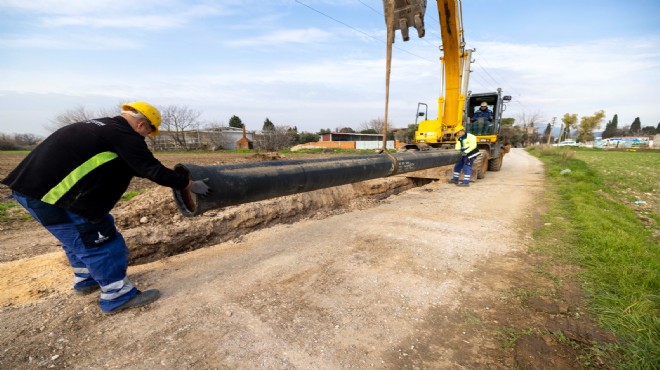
point(85, 167)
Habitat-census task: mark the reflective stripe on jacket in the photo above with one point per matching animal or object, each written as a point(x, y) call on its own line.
point(468, 144)
point(85, 167)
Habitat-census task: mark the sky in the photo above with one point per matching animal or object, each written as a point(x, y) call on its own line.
point(320, 64)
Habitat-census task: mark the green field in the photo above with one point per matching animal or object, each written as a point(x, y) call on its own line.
point(604, 204)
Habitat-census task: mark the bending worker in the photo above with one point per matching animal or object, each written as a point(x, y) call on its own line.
point(467, 145)
point(71, 181)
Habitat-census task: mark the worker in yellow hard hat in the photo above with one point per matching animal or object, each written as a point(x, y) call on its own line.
point(467, 144)
point(482, 120)
point(71, 181)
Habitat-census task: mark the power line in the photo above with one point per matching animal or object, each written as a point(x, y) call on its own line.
point(362, 32)
point(478, 77)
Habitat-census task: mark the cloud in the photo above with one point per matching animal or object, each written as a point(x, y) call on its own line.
point(69, 42)
point(150, 15)
point(610, 74)
point(288, 36)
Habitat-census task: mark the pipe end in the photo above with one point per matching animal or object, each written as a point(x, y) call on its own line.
point(186, 201)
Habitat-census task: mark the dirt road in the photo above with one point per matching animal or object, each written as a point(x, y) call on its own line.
point(429, 278)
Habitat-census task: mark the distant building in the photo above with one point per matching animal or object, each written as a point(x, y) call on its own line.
point(244, 142)
point(213, 139)
point(347, 140)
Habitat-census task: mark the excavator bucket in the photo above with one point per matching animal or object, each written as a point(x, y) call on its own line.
point(406, 13)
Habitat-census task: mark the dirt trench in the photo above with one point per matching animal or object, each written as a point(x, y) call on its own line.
point(154, 228)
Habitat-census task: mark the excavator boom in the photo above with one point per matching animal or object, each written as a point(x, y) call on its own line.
point(455, 60)
point(457, 106)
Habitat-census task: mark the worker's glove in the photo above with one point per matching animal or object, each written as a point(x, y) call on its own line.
point(200, 187)
point(463, 154)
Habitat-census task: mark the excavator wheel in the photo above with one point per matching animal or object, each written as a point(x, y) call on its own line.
point(495, 164)
point(480, 166)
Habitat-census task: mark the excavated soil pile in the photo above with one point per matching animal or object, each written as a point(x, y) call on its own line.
point(154, 228)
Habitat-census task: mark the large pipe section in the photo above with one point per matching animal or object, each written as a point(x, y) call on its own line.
point(239, 183)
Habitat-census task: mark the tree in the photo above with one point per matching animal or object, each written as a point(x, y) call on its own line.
point(19, 141)
point(293, 134)
point(636, 126)
point(547, 134)
point(346, 130)
point(375, 126)
point(328, 131)
point(215, 134)
point(279, 138)
point(588, 124)
point(180, 121)
point(236, 122)
point(657, 128)
point(506, 129)
point(79, 114)
point(27, 140)
point(529, 127)
point(648, 130)
point(308, 137)
point(611, 128)
point(406, 135)
point(569, 120)
point(268, 125)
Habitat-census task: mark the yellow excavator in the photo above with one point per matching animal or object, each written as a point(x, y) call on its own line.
point(458, 105)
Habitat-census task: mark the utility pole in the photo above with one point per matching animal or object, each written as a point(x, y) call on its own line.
point(552, 126)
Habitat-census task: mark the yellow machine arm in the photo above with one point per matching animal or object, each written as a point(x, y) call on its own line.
point(455, 63)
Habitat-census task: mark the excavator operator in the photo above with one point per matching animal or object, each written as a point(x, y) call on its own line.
point(482, 120)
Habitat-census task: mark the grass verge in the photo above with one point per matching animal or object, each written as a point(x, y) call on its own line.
point(592, 222)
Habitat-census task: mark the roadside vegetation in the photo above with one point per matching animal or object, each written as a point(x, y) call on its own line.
point(603, 216)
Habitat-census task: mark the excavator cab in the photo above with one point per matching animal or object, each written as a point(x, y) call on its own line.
point(481, 126)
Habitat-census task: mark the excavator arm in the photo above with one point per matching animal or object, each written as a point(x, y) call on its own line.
point(455, 61)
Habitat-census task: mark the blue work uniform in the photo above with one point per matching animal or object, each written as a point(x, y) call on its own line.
point(71, 181)
point(487, 116)
point(467, 145)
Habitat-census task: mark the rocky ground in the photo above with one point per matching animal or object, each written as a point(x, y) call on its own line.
point(383, 274)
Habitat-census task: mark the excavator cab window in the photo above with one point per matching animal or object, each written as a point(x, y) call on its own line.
point(479, 126)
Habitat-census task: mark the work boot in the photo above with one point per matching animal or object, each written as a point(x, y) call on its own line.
point(141, 299)
point(465, 184)
point(453, 181)
point(89, 289)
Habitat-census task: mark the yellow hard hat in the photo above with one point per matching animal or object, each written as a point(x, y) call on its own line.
point(458, 128)
point(149, 111)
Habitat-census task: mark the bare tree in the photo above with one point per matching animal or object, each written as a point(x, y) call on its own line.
point(215, 135)
point(180, 121)
point(68, 117)
point(78, 114)
point(375, 125)
point(528, 123)
point(278, 138)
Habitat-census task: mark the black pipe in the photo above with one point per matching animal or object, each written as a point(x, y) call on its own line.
point(238, 183)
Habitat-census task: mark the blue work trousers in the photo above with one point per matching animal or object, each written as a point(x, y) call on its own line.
point(96, 251)
point(465, 165)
